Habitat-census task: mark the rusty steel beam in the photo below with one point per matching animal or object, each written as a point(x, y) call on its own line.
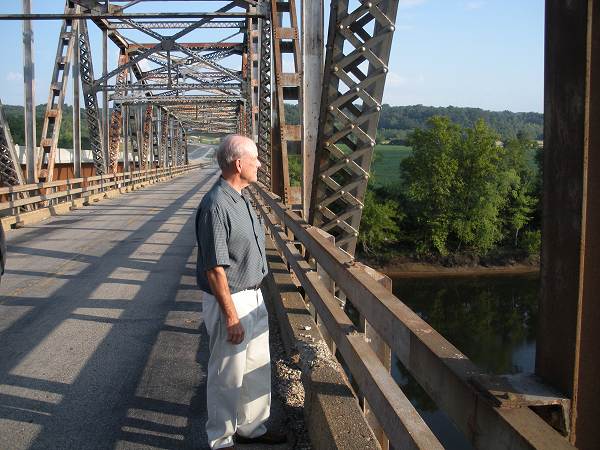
point(162, 24)
point(568, 354)
point(144, 15)
point(90, 100)
point(146, 137)
point(312, 65)
point(264, 105)
point(200, 46)
point(56, 97)
point(116, 120)
point(288, 88)
point(29, 107)
point(10, 166)
point(357, 57)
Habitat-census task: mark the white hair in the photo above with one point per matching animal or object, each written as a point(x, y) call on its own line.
point(230, 149)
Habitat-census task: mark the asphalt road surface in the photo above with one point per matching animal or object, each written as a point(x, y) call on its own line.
point(101, 343)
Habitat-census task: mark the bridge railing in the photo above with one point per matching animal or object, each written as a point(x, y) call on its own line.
point(19, 199)
point(490, 412)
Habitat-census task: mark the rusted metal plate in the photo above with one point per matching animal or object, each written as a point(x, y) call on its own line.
point(568, 354)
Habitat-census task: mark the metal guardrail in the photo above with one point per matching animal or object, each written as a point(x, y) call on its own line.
point(464, 392)
point(42, 195)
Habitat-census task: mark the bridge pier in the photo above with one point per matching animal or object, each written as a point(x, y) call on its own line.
point(568, 355)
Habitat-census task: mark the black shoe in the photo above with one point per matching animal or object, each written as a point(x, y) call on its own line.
point(269, 438)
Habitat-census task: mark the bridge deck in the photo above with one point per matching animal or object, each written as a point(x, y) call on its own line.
point(101, 343)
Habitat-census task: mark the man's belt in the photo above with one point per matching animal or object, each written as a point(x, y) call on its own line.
point(254, 288)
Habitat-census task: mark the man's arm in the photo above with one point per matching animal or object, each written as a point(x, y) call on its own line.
point(217, 279)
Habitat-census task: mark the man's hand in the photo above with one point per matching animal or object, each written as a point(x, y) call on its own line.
point(217, 279)
point(235, 330)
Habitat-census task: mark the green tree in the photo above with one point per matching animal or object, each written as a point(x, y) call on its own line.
point(429, 177)
point(379, 223)
point(480, 189)
point(522, 201)
point(456, 186)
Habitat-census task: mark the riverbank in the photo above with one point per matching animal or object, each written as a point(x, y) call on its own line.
point(403, 267)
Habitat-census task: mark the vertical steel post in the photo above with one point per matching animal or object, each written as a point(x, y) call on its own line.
point(139, 123)
point(105, 114)
point(125, 138)
point(159, 136)
point(264, 107)
point(312, 57)
point(76, 112)
point(568, 355)
point(28, 79)
point(171, 141)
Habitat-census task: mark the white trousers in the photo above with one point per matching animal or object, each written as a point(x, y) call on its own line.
point(239, 376)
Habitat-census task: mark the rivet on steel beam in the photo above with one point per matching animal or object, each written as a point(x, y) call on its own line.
point(327, 143)
point(355, 234)
point(340, 26)
point(363, 49)
point(391, 28)
point(385, 70)
point(378, 108)
point(330, 107)
point(372, 144)
point(337, 221)
point(335, 68)
point(322, 176)
point(366, 176)
point(347, 160)
point(369, 5)
point(356, 89)
point(360, 206)
point(312, 261)
point(319, 207)
point(342, 193)
point(352, 126)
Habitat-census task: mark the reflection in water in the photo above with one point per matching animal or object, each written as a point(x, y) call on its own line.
point(492, 320)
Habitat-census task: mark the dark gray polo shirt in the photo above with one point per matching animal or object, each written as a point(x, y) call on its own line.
point(230, 235)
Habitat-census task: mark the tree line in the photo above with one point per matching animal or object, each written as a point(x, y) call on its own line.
point(396, 122)
point(506, 124)
point(461, 191)
point(14, 116)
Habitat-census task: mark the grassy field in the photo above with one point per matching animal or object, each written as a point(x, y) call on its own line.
point(386, 164)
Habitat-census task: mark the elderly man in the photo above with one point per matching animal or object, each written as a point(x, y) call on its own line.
point(230, 267)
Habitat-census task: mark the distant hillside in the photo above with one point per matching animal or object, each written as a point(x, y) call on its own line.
point(396, 121)
point(14, 117)
point(507, 124)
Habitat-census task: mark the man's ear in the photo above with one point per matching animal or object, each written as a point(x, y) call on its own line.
point(238, 165)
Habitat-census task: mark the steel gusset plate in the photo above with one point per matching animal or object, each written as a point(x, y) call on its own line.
point(356, 65)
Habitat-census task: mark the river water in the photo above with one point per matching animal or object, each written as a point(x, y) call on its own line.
point(491, 319)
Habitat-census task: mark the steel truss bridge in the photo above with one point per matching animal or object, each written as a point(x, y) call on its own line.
point(239, 67)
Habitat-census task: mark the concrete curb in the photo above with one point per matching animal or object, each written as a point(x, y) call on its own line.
point(333, 416)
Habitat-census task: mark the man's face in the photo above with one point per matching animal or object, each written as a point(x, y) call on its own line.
point(250, 164)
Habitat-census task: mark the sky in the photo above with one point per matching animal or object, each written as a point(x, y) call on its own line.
point(485, 54)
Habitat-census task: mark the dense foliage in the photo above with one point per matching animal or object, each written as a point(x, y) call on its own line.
point(396, 122)
point(459, 190)
point(14, 117)
point(506, 124)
